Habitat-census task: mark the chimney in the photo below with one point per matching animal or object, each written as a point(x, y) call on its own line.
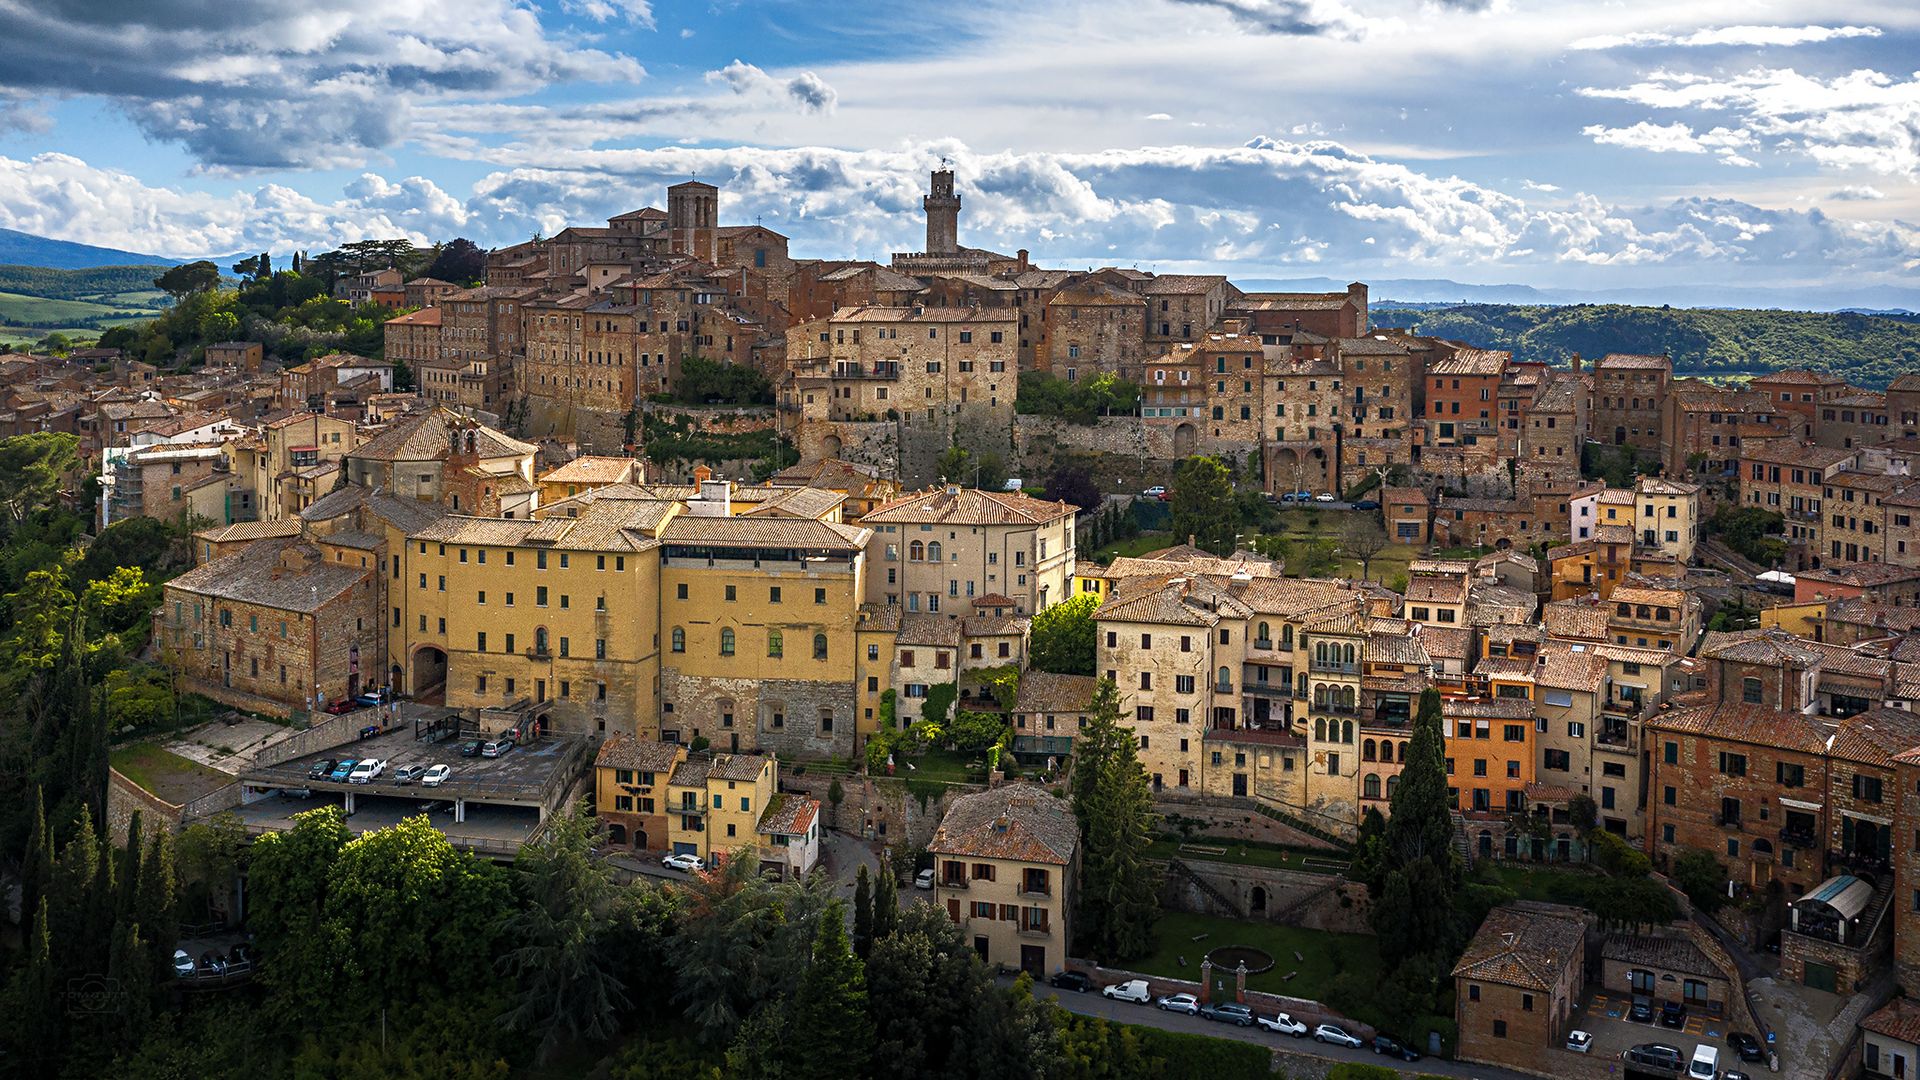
point(1022, 256)
point(1573, 364)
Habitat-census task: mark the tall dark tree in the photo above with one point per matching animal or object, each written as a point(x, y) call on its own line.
point(1074, 484)
point(886, 903)
point(1118, 895)
point(460, 261)
point(831, 1034)
point(1203, 505)
point(923, 982)
point(1420, 826)
point(862, 913)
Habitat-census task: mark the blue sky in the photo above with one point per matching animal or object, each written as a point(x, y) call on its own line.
point(1630, 143)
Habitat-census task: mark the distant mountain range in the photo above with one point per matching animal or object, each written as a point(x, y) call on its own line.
point(1874, 299)
point(26, 249)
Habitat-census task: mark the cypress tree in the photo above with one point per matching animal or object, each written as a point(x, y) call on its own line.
point(1421, 825)
point(886, 905)
point(36, 870)
point(1119, 886)
point(831, 1032)
point(862, 913)
point(156, 912)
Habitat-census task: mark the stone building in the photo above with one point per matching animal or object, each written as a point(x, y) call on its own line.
point(1799, 390)
point(948, 546)
point(1516, 985)
point(1091, 327)
point(630, 790)
point(1627, 395)
point(1005, 863)
point(414, 338)
point(1790, 479)
point(1556, 426)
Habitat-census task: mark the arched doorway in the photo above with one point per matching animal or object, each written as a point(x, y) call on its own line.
point(1257, 901)
point(429, 670)
point(830, 446)
point(1184, 439)
point(617, 835)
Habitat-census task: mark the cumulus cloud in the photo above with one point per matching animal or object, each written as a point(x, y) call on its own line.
point(807, 90)
point(1863, 119)
point(1676, 138)
point(637, 12)
point(251, 84)
point(1758, 36)
point(1857, 193)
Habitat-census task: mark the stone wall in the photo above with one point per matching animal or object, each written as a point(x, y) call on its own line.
point(881, 809)
point(1316, 901)
point(1119, 451)
point(757, 702)
point(866, 442)
point(126, 798)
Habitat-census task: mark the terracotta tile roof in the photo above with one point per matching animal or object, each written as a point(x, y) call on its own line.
point(1524, 944)
point(1633, 361)
point(1877, 736)
point(1798, 377)
point(1861, 575)
point(424, 437)
point(1256, 737)
point(737, 766)
point(1447, 642)
point(1045, 691)
point(691, 773)
point(1175, 284)
point(789, 815)
point(1580, 618)
point(1566, 666)
point(1671, 953)
point(1171, 600)
point(1368, 346)
point(1400, 648)
point(588, 469)
point(1495, 708)
point(1018, 822)
point(925, 628)
point(1771, 646)
point(248, 530)
point(765, 532)
point(622, 751)
point(1471, 362)
point(967, 506)
point(1755, 725)
point(1410, 495)
point(1506, 668)
point(1898, 1019)
point(278, 572)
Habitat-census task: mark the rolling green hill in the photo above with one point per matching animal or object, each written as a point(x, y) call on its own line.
point(78, 284)
point(1866, 350)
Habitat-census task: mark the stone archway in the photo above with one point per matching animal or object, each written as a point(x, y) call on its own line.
point(429, 669)
point(830, 446)
point(1257, 901)
point(1185, 438)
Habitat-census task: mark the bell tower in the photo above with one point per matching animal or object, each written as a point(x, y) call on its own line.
point(943, 215)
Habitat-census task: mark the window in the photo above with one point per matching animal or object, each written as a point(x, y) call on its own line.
point(1751, 690)
point(679, 640)
point(819, 646)
point(1733, 764)
point(774, 647)
point(726, 640)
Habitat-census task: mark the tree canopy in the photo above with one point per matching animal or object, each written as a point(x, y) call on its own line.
point(1063, 636)
point(1203, 504)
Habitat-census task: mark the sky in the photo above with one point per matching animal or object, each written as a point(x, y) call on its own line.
point(1586, 144)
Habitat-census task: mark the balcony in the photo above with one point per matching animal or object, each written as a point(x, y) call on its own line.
point(1042, 931)
point(1799, 838)
point(1041, 893)
point(1337, 710)
point(1334, 667)
point(1859, 861)
point(953, 883)
point(1223, 688)
point(691, 810)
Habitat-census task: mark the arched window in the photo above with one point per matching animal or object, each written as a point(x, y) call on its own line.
point(1346, 731)
point(1346, 697)
point(539, 639)
point(775, 646)
point(1224, 679)
point(1348, 654)
point(726, 641)
point(1320, 652)
point(1366, 750)
point(916, 551)
point(1370, 787)
point(819, 646)
point(1320, 696)
point(1286, 637)
point(1264, 635)
point(1320, 729)
point(679, 640)
point(1392, 782)
point(1400, 754)
point(933, 551)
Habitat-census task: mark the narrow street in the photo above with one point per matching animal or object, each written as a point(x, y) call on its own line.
point(1092, 1004)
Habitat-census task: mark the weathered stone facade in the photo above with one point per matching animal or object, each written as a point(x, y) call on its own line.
point(789, 717)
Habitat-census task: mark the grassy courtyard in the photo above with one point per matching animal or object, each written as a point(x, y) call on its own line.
point(1247, 853)
point(165, 773)
point(1320, 956)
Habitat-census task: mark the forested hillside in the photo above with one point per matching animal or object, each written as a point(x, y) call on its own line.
point(77, 284)
point(1866, 350)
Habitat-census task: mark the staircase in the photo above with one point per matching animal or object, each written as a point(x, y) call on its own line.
point(1186, 873)
point(1460, 842)
point(1295, 821)
point(1876, 913)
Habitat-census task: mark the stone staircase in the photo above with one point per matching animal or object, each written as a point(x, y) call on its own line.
point(1186, 874)
point(1461, 845)
point(1295, 821)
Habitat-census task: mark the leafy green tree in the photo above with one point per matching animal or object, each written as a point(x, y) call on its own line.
point(186, 279)
point(1117, 902)
point(460, 261)
point(1319, 557)
point(565, 986)
point(973, 732)
point(831, 1036)
point(34, 470)
point(1702, 877)
point(939, 699)
point(1063, 636)
point(1203, 504)
point(727, 922)
point(922, 984)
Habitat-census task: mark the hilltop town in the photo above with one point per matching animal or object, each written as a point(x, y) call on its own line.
point(814, 564)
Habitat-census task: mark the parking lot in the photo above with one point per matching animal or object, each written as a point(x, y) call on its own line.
point(520, 776)
point(485, 828)
point(1604, 1016)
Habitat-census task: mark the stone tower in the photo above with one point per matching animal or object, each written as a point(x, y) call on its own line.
point(943, 215)
point(693, 211)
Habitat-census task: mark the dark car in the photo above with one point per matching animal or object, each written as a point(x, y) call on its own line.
point(212, 964)
point(1746, 1046)
point(1228, 1012)
point(1394, 1048)
point(1734, 1074)
point(470, 748)
point(1673, 1014)
point(344, 705)
point(1071, 980)
point(1642, 1010)
point(1657, 1055)
point(320, 769)
point(1366, 504)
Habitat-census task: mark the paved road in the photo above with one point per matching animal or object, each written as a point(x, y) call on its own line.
point(1092, 1004)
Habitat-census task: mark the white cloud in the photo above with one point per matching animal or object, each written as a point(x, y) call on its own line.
point(1857, 193)
point(807, 90)
point(1676, 138)
point(1755, 36)
point(1534, 185)
point(637, 12)
point(1863, 119)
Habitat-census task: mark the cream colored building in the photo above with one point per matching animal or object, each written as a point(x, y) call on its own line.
point(936, 551)
point(1669, 516)
point(1175, 648)
point(714, 804)
point(1005, 862)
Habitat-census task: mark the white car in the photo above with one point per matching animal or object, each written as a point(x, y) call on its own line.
point(923, 879)
point(1155, 491)
point(683, 862)
point(435, 776)
point(366, 771)
point(1325, 496)
point(182, 964)
point(1335, 1034)
point(1579, 1042)
point(1282, 1024)
point(1134, 990)
point(1185, 1003)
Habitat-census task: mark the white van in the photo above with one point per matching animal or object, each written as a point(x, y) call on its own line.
point(1706, 1063)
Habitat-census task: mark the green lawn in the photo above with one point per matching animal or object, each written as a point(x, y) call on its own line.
point(1537, 882)
point(165, 773)
point(1321, 955)
point(1298, 527)
point(1247, 853)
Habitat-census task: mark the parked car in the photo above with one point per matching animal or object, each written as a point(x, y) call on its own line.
point(367, 771)
point(1228, 1012)
point(1642, 1009)
point(1156, 491)
point(1282, 1024)
point(1336, 1035)
point(212, 964)
point(1579, 1042)
point(1658, 1055)
point(1367, 504)
point(1325, 497)
point(1071, 980)
point(1673, 1014)
point(1734, 1074)
point(435, 806)
point(435, 776)
point(182, 964)
point(1303, 496)
point(343, 770)
point(321, 769)
point(1134, 990)
point(496, 748)
point(1705, 1064)
point(1746, 1046)
point(470, 748)
point(1185, 1003)
point(684, 862)
point(1394, 1048)
point(923, 879)
point(344, 705)
point(407, 774)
